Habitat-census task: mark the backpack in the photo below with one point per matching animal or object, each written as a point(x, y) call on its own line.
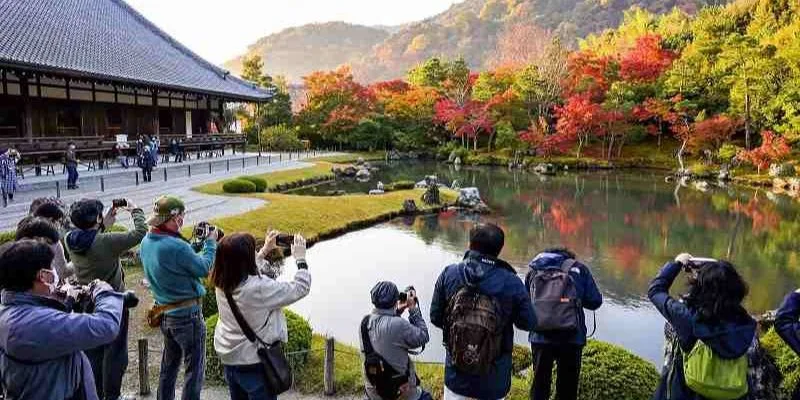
point(713, 377)
point(473, 331)
point(555, 299)
point(386, 380)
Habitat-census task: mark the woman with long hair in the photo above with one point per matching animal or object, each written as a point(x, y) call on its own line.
point(709, 318)
point(260, 299)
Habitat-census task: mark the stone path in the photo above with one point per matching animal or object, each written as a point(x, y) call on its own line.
point(200, 206)
point(221, 393)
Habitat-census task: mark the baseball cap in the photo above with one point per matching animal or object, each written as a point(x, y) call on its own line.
point(165, 208)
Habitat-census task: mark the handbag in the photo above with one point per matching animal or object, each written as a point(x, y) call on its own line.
point(277, 372)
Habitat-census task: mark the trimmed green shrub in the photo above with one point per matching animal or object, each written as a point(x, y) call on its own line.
point(239, 186)
point(788, 362)
point(210, 299)
point(702, 170)
point(261, 183)
point(299, 340)
point(521, 359)
point(611, 372)
point(400, 185)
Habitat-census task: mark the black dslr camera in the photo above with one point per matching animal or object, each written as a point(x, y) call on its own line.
point(83, 302)
point(404, 294)
point(200, 234)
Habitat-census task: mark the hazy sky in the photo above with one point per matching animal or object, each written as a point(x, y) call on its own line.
point(221, 29)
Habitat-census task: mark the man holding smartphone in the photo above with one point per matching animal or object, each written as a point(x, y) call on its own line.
point(386, 341)
point(95, 254)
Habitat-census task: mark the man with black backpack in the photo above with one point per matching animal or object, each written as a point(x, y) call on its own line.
point(477, 303)
point(386, 341)
point(560, 288)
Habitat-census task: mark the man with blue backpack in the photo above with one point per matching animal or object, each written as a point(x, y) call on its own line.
point(477, 303)
point(560, 288)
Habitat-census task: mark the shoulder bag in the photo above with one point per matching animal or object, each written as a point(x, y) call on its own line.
point(277, 372)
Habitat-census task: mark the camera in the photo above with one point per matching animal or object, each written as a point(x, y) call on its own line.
point(200, 234)
point(696, 263)
point(83, 302)
point(119, 203)
point(404, 294)
point(284, 240)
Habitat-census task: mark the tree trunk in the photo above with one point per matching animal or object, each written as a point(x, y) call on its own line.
point(747, 119)
point(580, 145)
point(680, 154)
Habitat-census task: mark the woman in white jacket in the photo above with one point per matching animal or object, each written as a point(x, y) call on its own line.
point(261, 300)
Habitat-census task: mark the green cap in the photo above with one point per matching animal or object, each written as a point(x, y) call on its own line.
point(165, 208)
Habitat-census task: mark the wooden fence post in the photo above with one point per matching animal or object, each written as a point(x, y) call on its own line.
point(144, 376)
point(330, 386)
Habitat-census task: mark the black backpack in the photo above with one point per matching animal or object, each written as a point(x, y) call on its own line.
point(555, 299)
point(386, 380)
point(473, 330)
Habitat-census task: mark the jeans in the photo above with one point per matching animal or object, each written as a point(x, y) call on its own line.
point(109, 362)
point(123, 161)
point(246, 382)
point(448, 395)
point(72, 175)
point(147, 174)
point(184, 340)
point(567, 357)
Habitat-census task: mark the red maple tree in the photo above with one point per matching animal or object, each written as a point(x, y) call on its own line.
point(647, 60)
point(773, 149)
point(579, 119)
point(464, 121)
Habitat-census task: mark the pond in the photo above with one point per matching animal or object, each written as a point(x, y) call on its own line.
point(624, 225)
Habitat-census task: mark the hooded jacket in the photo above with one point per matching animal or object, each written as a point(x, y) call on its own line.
point(96, 254)
point(585, 288)
point(41, 345)
point(495, 278)
point(727, 339)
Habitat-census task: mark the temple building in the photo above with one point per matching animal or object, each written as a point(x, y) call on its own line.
point(97, 72)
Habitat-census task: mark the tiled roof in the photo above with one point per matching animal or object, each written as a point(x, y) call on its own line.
point(107, 39)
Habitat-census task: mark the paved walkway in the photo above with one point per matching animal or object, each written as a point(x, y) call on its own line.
point(221, 393)
point(121, 184)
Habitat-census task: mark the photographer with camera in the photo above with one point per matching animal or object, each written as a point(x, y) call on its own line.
point(251, 310)
point(176, 275)
point(96, 254)
point(712, 331)
point(386, 341)
point(41, 342)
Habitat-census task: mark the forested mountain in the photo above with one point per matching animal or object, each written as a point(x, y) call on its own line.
point(484, 32)
point(298, 51)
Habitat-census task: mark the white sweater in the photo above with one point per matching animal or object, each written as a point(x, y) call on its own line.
point(258, 297)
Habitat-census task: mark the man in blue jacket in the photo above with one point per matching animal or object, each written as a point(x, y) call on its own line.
point(562, 348)
point(41, 341)
point(787, 324)
point(493, 277)
point(176, 274)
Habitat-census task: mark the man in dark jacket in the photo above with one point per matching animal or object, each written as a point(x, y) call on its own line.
point(787, 324)
point(497, 279)
point(562, 348)
point(147, 163)
point(71, 164)
point(41, 342)
point(96, 255)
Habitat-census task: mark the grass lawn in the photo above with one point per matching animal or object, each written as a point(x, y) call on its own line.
point(319, 168)
point(352, 157)
point(319, 216)
point(349, 381)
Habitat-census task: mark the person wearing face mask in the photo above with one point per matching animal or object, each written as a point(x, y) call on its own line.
point(71, 163)
point(176, 275)
point(42, 344)
point(95, 254)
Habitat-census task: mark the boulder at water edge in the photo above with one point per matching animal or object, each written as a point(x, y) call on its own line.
point(360, 161)
point(469, 197)
point(545, 169)
point(784, 170)
point(363, 174)
point(375, 192)
point(457, 161)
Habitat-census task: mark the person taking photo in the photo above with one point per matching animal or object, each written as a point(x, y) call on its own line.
point(176, 275)
point(42, 343)
point(242, 289)
point(712, 331)
point(387, 339)
point(95, 254)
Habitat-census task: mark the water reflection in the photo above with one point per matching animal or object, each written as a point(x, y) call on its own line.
point(624, 225)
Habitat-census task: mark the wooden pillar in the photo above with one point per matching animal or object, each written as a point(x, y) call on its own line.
point(27, 116)
point(328, 379)
point(155, 112)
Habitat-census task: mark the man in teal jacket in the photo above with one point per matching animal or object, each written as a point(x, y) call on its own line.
point(176, 274)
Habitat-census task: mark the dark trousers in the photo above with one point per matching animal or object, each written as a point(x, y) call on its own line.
point(184, 341)
point(247, 382)
point(109, 362)
point(567, 358)
point(147, 174)
point(72, 175)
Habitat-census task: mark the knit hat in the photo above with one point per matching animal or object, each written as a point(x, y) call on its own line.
point(166, 208)
point(385, 295)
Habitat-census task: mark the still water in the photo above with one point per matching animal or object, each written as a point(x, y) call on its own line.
point(623, 225)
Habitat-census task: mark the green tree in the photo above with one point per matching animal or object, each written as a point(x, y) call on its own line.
point(253, 71)
point(281, 138)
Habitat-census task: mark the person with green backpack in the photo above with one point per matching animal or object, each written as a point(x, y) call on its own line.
point(713, 331)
